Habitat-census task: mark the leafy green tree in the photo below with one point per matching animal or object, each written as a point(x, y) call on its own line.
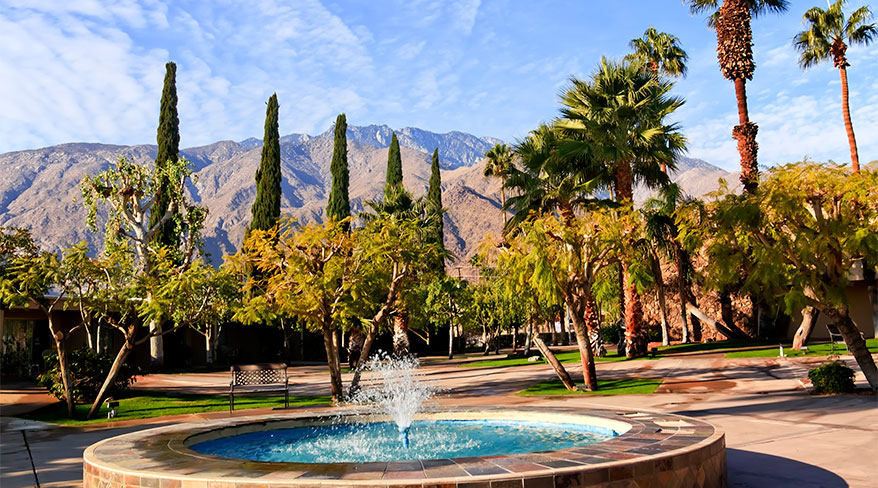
point(266, 208)
point(795, 239)
point(201, 296)
point(393, 253)
point(168, 139)
point(660, 52)
point(616, 123)
point(661, 229)
point(498, 161)
point(399, 206)
point(303, 271)
point(828, 36)
point(434, 210)
point(130, 191)
point(547, 183)
point(338, 208)
point(394, 167)
point(29, 275)
point(734, 40)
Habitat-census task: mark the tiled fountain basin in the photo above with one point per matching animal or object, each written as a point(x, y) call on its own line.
point(654, 449)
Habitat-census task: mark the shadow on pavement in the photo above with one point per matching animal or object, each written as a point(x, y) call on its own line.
point(752, 469)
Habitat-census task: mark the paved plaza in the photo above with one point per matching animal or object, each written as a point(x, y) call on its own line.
point(776, 433)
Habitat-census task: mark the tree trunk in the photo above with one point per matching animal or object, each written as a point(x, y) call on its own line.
point(529, 333)
point(121, 356)
point(803, 333)
point(848, 125)
point(680, 260)
point(565, 327)
point(663, 306)
point(855, 343)
point(635, 336)
point(741, 98)
point(208, 348)
point(579, 314)
point(58, 337)
point(288, 352)
point(717, 326)
point(364, 356)
point(556, 365)
point(332, 359)
point(514, 338)
point(156, 345)
point(872, 286)
point(401, 333)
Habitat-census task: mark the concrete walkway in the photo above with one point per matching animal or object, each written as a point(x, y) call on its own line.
point(777, 435)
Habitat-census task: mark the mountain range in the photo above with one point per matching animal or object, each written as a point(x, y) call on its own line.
point(39, 188)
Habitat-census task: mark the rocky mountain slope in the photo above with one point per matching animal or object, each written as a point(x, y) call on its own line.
point(39, 188)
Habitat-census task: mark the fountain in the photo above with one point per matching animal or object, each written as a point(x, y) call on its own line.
point(394, 436)
point(395, 388)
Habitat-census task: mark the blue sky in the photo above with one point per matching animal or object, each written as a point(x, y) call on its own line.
point(87, 70)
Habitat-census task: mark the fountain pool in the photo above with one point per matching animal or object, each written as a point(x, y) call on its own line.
point(651, 448)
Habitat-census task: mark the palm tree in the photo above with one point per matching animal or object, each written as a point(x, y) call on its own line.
point(618, 119)
point(735, 55)
point(660, 52)
point(499, 160)
point(661, 229)
point(828, 36)
point(549, 183)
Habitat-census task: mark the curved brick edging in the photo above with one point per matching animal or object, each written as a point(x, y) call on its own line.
point(657, 449)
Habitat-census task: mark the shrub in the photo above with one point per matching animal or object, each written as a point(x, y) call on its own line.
point(14, 359)
point(832, 377)
point(87, 371)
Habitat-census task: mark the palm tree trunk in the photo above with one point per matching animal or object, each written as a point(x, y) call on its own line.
point(741, 98)
point(745, 134)
point(401, 332)
point(848, 125)
point(635, 336)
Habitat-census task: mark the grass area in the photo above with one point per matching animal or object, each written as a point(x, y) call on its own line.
point(814, 350)
point(710, 346)
point(564, 357)
point(149, 404)
point(663, 351)
point(625, 386)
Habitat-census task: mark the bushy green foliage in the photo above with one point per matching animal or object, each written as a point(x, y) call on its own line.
point(832, 377)
point(14, 359)
point(88, 370)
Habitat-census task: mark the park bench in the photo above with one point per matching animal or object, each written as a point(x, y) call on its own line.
point(259, 378)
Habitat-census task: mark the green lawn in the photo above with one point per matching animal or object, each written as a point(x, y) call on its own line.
point(564, 357)
point(710, 346)
point(148, 404)
point(626, 386)
point(814, 350)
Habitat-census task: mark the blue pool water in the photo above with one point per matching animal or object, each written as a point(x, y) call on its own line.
point(377, 442)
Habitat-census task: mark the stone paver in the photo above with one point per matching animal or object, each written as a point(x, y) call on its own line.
point(776, 434)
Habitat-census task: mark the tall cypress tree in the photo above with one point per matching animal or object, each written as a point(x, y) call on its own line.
point(266, 208)
point(168, 140)
point(339, 205)
point(394, 167)
point(434, 210)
